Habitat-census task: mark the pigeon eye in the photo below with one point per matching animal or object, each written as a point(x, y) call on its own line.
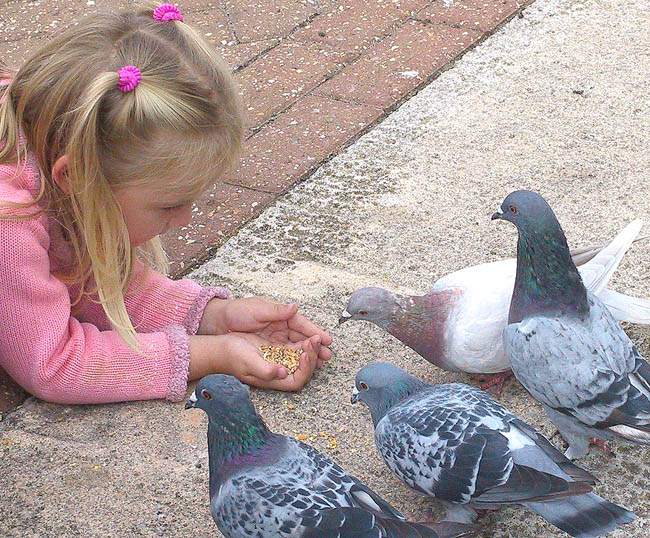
point(363, 312)
point(363, 386)
point(513, 209)
point(206, 394)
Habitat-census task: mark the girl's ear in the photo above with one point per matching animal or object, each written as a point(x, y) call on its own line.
point(60, 173)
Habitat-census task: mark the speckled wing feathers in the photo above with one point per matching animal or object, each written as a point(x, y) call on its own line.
point(305, 494)
point(256, 499)
point(447, 442)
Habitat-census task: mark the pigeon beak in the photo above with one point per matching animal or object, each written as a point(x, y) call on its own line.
point(345, 316)
point(355, 396)
point(191, 402)
point(497, 215)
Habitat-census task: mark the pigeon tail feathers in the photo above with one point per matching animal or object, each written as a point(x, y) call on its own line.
point(625, 307)
point(583, 516)
point(610, 257)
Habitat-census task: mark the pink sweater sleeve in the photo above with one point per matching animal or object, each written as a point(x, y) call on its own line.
point(60, 359)
point(154, 301)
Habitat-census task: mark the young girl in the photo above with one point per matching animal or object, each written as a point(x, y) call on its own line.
point(107, 136)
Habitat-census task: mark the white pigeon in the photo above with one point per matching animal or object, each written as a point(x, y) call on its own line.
point(458, 325)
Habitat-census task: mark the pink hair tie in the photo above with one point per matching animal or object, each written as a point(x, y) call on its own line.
point(167, 12)
point(130, 77)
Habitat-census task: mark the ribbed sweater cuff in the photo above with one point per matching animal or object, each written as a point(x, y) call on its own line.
point(195, 313)
point(179, 344)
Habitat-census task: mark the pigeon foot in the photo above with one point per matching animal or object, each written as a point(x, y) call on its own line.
point(493, 383)
point(603, 446)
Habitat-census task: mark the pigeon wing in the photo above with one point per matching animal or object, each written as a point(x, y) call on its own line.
point(432, 448)
point(580, 369)
point(462, 454)
point(270, 497)
point(303, 490)
point(360, 523)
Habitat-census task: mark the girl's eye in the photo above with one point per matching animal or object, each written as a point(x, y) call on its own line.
point(171, 208)
point(206, 394)
point(363, 386)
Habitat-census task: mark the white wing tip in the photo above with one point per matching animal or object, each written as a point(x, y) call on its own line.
point(631, 433)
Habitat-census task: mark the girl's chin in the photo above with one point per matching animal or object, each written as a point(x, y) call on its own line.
point(139, 241)
point(135, 243)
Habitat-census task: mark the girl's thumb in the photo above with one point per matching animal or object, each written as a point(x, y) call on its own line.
point(268, 372)
point(279, 311)
point(290, 310)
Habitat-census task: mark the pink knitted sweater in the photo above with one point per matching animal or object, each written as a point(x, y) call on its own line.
point(77, 358)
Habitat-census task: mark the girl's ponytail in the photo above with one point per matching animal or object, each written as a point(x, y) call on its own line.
point(94, 208)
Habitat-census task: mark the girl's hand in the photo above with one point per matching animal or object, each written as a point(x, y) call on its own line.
point(238, 354)
point(275, 322)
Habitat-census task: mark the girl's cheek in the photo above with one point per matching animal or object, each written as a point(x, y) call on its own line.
point(182, 218)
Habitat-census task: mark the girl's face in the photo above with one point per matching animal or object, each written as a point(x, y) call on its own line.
point(147, 213)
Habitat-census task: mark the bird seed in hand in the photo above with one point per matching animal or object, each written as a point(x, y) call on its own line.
point(287, 357)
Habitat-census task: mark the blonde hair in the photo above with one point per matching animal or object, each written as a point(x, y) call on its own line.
point(183, 121)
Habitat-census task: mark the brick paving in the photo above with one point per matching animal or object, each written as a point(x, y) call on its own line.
point(314, 75)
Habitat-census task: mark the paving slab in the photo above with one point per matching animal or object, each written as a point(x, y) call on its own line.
point(355, 25)
point(472, 14)
point(355, 52)
point(556, 101)
point(400, 63)
point(286, 73)
point(254, 20)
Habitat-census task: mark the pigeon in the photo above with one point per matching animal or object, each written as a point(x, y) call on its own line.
point(456, 443)
point(263, 484)
point(565, 347)
point(458, 326)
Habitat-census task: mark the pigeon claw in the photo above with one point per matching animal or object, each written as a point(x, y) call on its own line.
point(603, 446)
point(494, 383)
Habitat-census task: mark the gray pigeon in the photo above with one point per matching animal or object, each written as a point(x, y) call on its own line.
point(458, 325)
point(459, 445)
point(565, 346)
point(263, 484)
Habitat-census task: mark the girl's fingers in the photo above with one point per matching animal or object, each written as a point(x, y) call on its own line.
point(302, 325)
point(283, 334)
point(308, 345)
point(286, 334)
point(304, 372)
point(315, 344)
point(295, 336)
point(292, 336)
point(324, 354)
